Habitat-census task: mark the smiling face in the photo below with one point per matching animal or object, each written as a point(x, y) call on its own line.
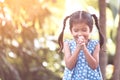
point(80, 29)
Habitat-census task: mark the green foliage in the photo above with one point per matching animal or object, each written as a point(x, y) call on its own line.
point(22, 24)
point(28, 30)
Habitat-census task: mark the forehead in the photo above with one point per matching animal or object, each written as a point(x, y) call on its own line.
point(80, 25)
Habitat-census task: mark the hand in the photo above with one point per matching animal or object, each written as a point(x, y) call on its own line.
point(81, 42)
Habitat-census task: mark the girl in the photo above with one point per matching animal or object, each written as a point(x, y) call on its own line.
point(81, 54)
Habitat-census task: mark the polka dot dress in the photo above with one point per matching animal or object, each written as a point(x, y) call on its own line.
point(82, 71)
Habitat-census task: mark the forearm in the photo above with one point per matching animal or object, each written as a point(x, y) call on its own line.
point(71, 61)
point(92, 62)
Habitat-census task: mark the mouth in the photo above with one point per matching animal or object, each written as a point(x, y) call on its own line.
point(81, 37)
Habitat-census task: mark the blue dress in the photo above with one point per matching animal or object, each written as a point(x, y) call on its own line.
point(82, 71)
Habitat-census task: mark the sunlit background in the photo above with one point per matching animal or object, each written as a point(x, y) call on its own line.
point(28, 36)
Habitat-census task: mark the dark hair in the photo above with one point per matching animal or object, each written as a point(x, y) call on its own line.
point(79, 17)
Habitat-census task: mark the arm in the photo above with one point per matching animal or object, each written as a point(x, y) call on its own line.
point(93, 60)
point(70, 59)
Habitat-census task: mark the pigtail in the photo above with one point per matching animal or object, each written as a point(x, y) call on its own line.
point(99, 30)
point(60, 38)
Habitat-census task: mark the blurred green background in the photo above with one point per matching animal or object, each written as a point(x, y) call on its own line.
point(28, 36)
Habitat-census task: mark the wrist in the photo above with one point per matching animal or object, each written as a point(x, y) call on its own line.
point(85, 49)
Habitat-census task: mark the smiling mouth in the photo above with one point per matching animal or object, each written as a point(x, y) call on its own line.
point(80, 37)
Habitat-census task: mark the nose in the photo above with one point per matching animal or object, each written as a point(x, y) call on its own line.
point(79, 34)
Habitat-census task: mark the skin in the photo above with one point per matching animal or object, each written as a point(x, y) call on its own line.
point(81, 33)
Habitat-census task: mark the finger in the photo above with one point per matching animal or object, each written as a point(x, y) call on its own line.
point(82, 44)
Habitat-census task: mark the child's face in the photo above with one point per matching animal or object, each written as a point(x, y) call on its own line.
point(80, 29)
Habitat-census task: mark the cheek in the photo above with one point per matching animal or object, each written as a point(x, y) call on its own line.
point(87, 36)
point(75, 35)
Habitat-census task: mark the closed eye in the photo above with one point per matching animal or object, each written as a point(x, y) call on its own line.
point(76, 30)
point(84, 30)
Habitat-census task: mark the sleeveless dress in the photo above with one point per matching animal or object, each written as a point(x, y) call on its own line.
point(82, 71)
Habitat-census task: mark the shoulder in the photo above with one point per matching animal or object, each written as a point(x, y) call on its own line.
point(92, 44)
point(70, 42)
point(94, 41)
